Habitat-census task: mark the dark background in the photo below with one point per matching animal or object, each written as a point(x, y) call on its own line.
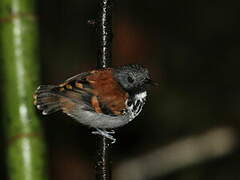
point(190, 47)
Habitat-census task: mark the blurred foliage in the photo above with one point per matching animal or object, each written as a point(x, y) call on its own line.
point(190, 47)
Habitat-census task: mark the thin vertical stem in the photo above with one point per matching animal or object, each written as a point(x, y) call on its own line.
point(103, 164)
point(18, 42)
point(104, 33)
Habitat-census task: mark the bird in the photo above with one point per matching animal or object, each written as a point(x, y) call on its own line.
point(103, 99)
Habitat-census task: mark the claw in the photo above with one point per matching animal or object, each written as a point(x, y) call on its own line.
point(105, 134)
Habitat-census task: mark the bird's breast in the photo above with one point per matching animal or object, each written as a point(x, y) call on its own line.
point(135, 103)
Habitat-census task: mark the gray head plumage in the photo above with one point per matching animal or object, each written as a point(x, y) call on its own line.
point(132, 77)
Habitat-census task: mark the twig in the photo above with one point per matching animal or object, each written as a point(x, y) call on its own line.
point(104, 33)
point(103, 166)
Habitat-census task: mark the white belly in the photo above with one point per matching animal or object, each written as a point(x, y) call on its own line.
point(100, 120)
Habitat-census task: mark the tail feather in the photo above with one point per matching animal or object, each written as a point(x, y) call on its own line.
point(46, 100)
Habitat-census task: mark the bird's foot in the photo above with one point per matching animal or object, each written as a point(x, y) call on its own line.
point(106, 134)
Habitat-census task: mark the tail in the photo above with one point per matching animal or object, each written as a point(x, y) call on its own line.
point(46, 100)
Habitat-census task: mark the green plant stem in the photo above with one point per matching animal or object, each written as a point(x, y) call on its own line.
point(24, 143)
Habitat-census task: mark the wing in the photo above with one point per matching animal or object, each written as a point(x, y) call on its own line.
point(66, 96)
point(95, 91)
point(109, 96)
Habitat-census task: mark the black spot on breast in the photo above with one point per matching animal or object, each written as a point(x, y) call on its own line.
point(138, 102)
point(135, 107)
point(138, 106)
point(129, 102)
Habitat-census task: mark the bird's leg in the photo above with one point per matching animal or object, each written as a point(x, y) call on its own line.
point(105, 133)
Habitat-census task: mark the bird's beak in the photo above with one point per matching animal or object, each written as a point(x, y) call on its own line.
point(153, 83)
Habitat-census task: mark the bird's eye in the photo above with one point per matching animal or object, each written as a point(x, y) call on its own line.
point(130, 79)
